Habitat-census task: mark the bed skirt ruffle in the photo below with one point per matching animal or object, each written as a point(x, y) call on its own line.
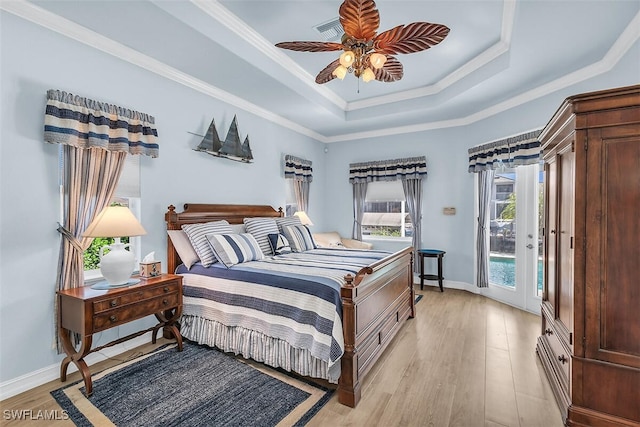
point(257, 346)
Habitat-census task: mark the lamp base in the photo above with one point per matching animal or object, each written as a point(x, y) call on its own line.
point(104, 285)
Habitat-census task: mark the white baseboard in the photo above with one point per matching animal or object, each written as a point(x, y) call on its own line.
point(34, 379)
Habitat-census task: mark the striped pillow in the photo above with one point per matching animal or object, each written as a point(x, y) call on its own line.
point(286, 221)
point(232, 249)
point(197, 236)
point(299, 238)
point(279, 244)
point(261, 228)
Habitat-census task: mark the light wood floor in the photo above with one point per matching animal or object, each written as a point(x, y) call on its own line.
point(464, 360)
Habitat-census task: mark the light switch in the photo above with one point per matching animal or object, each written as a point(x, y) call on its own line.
point(449, 211)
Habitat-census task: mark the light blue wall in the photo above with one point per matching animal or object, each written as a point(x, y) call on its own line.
point(34, 60)
point(447, 182)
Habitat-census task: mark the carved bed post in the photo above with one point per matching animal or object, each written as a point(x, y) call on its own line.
point(349, 383)
point(171, 217)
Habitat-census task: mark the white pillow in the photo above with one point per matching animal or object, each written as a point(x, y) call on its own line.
point(197, 236)
point(232, 249)
point(286, 221)
point(183, 247)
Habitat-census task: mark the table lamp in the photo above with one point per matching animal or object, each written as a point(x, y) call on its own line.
point(304, 218)
point(118, 264)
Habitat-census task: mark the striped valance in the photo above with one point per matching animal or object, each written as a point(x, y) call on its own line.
point(515, 151)
point(388, 170)
point(297, 168)
point(85, 123)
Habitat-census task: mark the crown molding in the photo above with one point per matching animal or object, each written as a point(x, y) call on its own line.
point(53, 22)
point(81, 34)
point(475, 63)
point(221, 14)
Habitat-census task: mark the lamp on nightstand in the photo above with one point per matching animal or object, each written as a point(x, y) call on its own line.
point(118, 264)
point(304, 218)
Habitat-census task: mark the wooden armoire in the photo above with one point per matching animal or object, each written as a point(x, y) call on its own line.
point(590, 341)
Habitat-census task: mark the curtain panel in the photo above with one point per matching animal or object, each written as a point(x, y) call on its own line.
point(96, 140)
point(388, 170)
point(85, 123)
point(297, 168)
point(518, 150)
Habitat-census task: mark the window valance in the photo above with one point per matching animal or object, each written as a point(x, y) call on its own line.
point(518, 150)
point(297, 168)
point(388, 170)
point(85, 123)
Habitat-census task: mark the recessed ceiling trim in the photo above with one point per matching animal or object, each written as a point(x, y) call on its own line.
point(488, 55)
point(51, 21)
point(74, 31)
point(629, 36)
point(221, 14)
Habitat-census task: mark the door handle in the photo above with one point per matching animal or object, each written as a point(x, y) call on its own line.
point(530, 246)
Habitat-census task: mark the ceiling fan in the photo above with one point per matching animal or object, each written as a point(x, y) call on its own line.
point(367, 53)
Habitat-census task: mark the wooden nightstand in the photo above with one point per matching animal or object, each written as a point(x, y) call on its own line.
point(87, 311)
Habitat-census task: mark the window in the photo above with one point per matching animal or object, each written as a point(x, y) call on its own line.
point(127, 194)
point(385, 211)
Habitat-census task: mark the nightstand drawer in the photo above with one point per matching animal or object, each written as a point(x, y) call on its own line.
point(139, 295)
point(127, 313)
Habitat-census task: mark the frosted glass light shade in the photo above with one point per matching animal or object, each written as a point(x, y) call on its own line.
point(347, 58)
point(368, 75)
point(304, 218)
point(115, 221)
point(340, 72)
point(377, 60)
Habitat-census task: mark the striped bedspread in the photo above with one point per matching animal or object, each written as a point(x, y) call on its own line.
point(284, 310)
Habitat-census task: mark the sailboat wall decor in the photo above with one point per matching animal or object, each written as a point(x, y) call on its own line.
point(231, 148)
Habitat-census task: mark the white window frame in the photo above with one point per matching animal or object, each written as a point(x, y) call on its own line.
point(385, 193)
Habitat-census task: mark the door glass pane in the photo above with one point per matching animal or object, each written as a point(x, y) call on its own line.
point(502, 236)
point(540, 227)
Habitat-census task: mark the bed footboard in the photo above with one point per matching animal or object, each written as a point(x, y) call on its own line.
point(375, 304)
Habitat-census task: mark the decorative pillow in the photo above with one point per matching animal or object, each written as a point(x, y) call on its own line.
point(260, 228)
point(279, 244)
point(286, 221)
point(238, 228)
point(183, 246)
point(232, 249)
point(197, 236)
point(299, 238)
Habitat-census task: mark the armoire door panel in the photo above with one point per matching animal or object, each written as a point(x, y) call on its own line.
point(566, 199)
point(614, 281)
point(551, 233)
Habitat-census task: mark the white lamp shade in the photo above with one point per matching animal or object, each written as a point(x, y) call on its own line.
point(304, 218)
point(377, 60)
point(114, 221)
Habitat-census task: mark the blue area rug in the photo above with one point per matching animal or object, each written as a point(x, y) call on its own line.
point(199, 386)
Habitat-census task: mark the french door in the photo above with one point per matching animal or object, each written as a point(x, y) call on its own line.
point(515, 263)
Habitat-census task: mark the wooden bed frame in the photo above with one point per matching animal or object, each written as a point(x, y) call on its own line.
point(375, 302)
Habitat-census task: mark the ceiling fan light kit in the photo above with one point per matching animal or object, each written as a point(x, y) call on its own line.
point(366, 53)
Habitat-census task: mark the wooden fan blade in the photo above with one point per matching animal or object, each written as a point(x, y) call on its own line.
point(410, 38)
point(360, 18)
point(310, 46)
point(392, 71)
point(326, 75)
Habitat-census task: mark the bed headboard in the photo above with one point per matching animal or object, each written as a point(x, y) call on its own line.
point(198, 212)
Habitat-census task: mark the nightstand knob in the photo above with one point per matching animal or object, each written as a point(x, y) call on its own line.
point(165, 301)
point(113, 318)
point(548, 331)
point(166, 289)
point(114, 302)
point(562, 359)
